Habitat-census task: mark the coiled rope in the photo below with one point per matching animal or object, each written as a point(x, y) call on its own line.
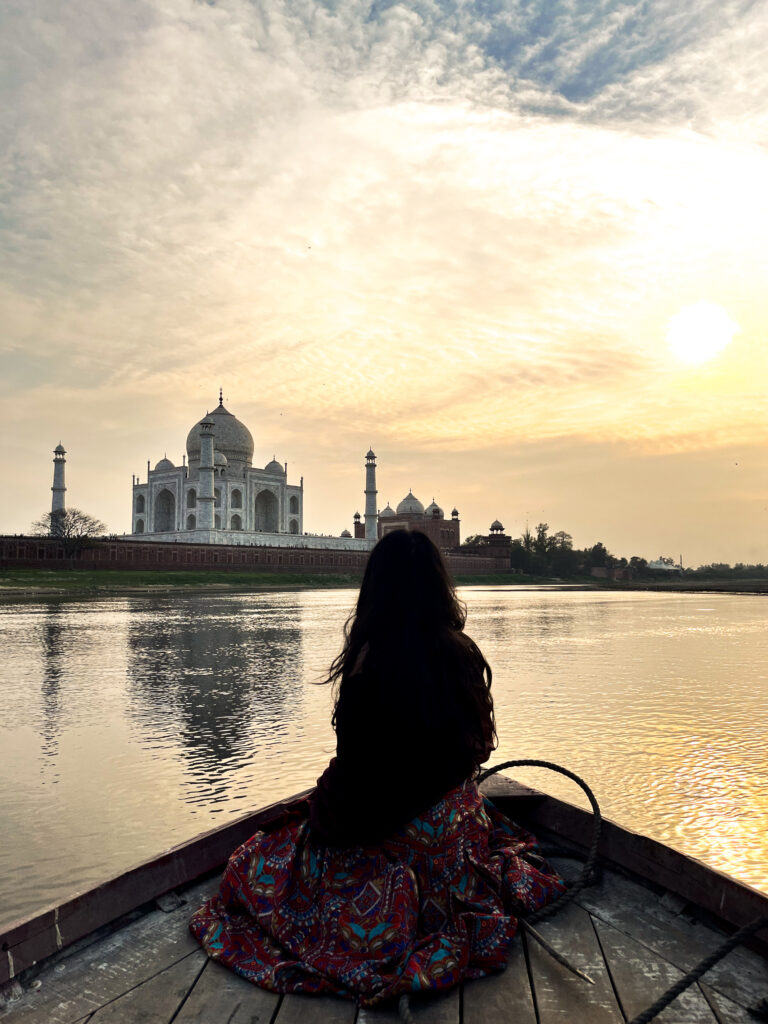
point(586, 878)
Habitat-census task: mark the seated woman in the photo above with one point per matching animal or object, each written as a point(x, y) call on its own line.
point(400, 877)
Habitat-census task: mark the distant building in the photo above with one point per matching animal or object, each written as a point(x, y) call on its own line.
point(217, 495)
point(410, 514)
point(495, 542)
point(664, 565)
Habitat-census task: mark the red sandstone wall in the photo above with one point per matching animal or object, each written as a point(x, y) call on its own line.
point(47, 553)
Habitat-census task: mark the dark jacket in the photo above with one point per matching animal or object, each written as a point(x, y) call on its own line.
point(400, 746)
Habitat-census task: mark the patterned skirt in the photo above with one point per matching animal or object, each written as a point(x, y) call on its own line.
point(430, 906)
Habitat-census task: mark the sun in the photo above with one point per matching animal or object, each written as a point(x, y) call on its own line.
point(699, 332)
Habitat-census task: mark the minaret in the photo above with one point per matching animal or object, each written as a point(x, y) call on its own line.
point(371, 513)
point(205, 496)
point(59, 488)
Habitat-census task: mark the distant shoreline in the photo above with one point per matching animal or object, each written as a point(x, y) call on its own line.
point(18, 584)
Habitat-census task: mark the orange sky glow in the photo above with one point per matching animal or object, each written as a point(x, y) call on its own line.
point(466, 242)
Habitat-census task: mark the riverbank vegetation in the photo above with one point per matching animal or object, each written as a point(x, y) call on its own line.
point(543, 555)
point(16, 583)
point(96, 581)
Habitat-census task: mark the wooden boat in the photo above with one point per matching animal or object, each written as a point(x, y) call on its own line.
point(122, 954)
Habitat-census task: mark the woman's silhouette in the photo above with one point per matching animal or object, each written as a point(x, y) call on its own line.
point(399, 877)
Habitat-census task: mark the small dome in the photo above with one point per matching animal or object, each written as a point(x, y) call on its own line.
point(410, 504)
point(164, 465)
point(356, 517)
point(345, 533)
point(496, 527)
point(430, 510)
point(220, 459)
point(59, 449)
point(388, 511)
point(454, 513)
point(369, 454)
point(274, 468)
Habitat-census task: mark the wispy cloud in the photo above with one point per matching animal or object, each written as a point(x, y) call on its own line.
point(451, 225)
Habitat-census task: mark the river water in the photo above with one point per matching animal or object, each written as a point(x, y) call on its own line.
point(132, 723)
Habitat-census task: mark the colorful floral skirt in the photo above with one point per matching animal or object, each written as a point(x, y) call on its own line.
point(430, 906)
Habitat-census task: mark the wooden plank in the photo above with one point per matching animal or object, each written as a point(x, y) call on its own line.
point(28, 942)
point(712, 890)
point(561, 997)
point(505, 996)
point(726, 1011)
point(301, 1009)
point(221, 995)
point(629, 907)
point(154, 1000)
point(85, 981)
point(501, 787)
point(386, 1014)
point(640, 977)
point(442, 1008)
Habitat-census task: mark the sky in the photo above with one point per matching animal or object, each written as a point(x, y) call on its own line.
point(517, 246)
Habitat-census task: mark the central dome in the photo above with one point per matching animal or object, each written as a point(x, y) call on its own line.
point(230, 437)
point(410, 504)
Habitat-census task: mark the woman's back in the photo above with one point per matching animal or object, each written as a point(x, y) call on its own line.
point(414, 715)
point(403, 879)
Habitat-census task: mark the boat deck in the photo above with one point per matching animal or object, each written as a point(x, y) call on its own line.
point(632, 940)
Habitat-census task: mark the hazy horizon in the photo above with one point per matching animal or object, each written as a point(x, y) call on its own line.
point(519, 249)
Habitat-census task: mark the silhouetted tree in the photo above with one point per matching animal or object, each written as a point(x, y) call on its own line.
point(73, 527)
point(598, 555)
point(474, 540)
point(541, 542)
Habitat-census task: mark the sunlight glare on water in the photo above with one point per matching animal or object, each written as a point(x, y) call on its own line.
point(131, 724)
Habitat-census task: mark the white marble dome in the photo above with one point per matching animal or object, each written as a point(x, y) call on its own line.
point(433, 508)
point(274, 468)
point(386, 512)
point(410, 504)
point(220, 459)
point(164, 465)
point(230, 437)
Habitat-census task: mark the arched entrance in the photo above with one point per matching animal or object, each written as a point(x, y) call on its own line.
point(165, 512)
point(266, 512)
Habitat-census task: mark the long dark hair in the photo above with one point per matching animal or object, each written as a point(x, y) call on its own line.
point(407, 630)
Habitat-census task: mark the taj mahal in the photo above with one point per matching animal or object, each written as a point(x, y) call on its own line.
point(217, 496)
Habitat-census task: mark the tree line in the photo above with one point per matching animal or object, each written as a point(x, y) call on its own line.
point(541, 553)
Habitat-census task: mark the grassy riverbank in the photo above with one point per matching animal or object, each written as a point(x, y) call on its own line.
point(15, 583)
point(18, 582)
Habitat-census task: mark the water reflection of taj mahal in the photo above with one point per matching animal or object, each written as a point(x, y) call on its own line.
point(217, 496)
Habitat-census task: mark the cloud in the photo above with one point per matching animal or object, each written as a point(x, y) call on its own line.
point(446, 225)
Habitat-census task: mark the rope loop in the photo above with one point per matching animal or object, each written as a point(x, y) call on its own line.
point(587, 872)
point(581, 883)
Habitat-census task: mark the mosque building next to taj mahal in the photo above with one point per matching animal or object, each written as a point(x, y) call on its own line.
point(217, 496)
